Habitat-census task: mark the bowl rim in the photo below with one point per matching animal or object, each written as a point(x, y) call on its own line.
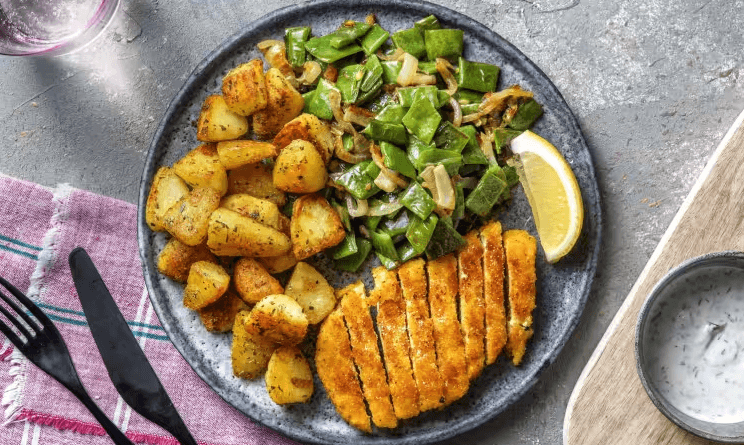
point(726, 257)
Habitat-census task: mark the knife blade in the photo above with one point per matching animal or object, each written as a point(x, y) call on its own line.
point(126, 363)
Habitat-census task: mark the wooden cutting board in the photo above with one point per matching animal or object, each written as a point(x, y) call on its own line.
point(609, 404)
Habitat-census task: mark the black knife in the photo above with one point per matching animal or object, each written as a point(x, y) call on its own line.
point(127, 365)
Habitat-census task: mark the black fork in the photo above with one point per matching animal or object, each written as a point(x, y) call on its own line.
point(44, 346)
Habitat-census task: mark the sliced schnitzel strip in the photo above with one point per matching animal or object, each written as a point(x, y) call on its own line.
point(450, 345)
point(412, 276)
point(472, 303)
point(391, 324)
point(337, 372)
point(493, 289)
point(521, 249)
point(366, 354)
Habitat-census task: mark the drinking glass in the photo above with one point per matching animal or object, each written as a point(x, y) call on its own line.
point(51, 27)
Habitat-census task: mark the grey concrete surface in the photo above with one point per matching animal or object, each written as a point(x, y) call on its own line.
point(655, 85)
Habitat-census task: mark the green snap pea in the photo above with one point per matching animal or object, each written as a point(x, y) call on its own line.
point(468, 96)
point(428, 67)
point(383, 244)
point(346, 35)
point(414, 149)
point(459, 210)
point(359, 180)
point(373, 73)
point(527, 114)
point(411, 41)
point(449, 137)
point(347, 247)
point(388, 262)
point(472, 154)
point(422, 119)
point(349, 81)
point(502, 137)
point(386, 131)
point(352, 262)
point(418, 200)
point(396, 159)
point(406, 252)
point(406, 96)
point(420, 231)
point(446, 43)
point(444, 240)
point(429, 22)
point(487, 193)
point(397, 225)
point(320, 48)
point(371, 222)
point(451, 160)
point(294, 41)
point(477, 76)
point(390, 71)
point(374, 39)
point(320, 104)
point(392, 113)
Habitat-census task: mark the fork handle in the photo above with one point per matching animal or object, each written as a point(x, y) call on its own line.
point(111, 429)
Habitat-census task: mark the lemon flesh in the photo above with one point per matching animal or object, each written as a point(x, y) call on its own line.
point(553, 194)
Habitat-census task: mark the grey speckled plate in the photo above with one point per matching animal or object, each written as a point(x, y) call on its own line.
point(562, 288)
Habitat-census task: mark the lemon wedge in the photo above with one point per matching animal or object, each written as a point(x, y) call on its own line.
point(553, 194)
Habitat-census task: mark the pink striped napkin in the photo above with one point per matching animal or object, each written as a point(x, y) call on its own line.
point(38, 229)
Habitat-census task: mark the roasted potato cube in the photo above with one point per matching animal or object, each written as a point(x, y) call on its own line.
point(234, 154)
point(251, 351)
point(312, 291)
point(288, 376)
point(232, 234)
point(244, 88)
point(299, 169)
point(166, 190)
point(217, 123)
point(206, 283)
point(278, 318)
point(188, 219)
point(220, 315)
point(176, 259)
point(284, 104)
point(315, 226)
point(279, 264)
point(307, 127)
point(201, 167)
point(255, 180)
point(262, 210)
point(253, 281)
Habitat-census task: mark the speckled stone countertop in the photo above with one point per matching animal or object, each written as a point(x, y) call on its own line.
point(655, 85)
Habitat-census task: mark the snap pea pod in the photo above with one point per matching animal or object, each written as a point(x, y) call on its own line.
point(419, 232)
point(374, 39)
point(406, 252)
point(502, 136)
point(414, 149)
point(428, 22)
point(359, 180)
point(294, 41)
point(352, 262)
point(468, 96)
point(477, 76)
point(449, 137)
point(408, 95)
point(347, 247)
point(388, 262)
point(397, 225)
point(487, 193)
point(444, 240)
point(446, 43)
point(428, 67)
point(418, 200)
point(318, 103)
point(386, 131)
point(451, 160)
point(392, 113)
point(372, 74)
point(472, 154)
point(422, 119)
point(348, 33)
point(383, 244)
point(396, 159)
point(390, 71)
point(527, 114)
point(321, 48)
point(459, 210)
point(349, 81)
point(411, 41)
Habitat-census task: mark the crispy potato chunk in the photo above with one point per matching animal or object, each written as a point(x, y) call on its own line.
point(284, 104)
point(232, 234)
point(206, 283)
point(217, 123)
point(251, 352)
point(176, 259)
point(288, 376)
point(220, 315)
point(278, 318)
point(253, 281)
point(201, 167)
point(234, 154)
point(312, 291)
point(299, 168)
point(262, 210)
point(307, 127)
point(278, 264)
point(166, 190)
point(244, 88)
point(315, 226)
point(188, 219)
point(255, 180)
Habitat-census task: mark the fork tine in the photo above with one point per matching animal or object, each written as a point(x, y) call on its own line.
point(20, 312)
point(30, 305)
point(11, 335)
point(13, 319)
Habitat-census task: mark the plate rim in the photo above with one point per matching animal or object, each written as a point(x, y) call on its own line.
point(222, 51)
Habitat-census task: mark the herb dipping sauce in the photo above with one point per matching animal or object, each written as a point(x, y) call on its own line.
point(694, 344)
